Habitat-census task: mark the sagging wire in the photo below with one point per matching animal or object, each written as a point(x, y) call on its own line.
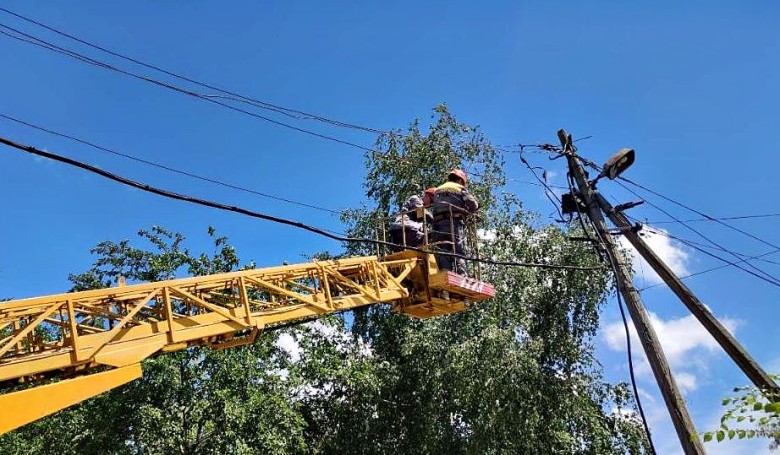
point(543, 181)
point(293, 113)
point(30, 39)
point(763, 274)
point(712, 269)
point(720, 218)
point(254, 214)
point(766, 276)
point(631, 372)
point(709, 218)
point(746, 257)
point(167, 168)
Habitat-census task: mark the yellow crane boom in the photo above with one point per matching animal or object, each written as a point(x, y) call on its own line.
point(97, 339)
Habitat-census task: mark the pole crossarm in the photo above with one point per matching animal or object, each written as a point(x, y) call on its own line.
point(121, 326)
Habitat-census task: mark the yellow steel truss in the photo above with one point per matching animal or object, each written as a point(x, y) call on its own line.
point(99, 337)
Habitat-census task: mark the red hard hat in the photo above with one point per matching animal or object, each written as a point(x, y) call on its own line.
point(460, 174)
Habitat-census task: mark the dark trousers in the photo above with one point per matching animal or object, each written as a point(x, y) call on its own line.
point(450, 237)
point(414, 238)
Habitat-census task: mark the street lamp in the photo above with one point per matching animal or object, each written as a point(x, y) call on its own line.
point(617, 163)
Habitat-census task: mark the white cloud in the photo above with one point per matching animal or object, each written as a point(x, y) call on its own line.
point(670, 251)
point(686, 381)
point(687, 345)
point(287, 343)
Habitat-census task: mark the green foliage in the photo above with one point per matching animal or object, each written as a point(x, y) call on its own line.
point(750, 413)
point(194, 401)
point(513, 375)
point(163, 261)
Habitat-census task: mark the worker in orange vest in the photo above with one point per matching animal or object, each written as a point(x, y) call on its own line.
point(452, 203)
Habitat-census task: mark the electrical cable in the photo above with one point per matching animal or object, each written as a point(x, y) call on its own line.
point(167, 168)
point(723, 266)
point(740, 260)
point(26, 38)
point(251, 213)
point(631, 365)
point(728, 263)
point(528, 182)
point(765, 276)
point(710, 218)
point(745, 257)
point(241, 98)
point(294, 113)
point(547, 189)
point(655, 230)
point(539, 147)
point(720, 218)
point(632, 375)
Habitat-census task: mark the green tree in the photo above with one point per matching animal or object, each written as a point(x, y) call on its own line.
point(513, 375)
point(195, 401)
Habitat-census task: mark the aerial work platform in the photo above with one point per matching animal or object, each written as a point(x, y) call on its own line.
point(97, 339)
point(435, 293)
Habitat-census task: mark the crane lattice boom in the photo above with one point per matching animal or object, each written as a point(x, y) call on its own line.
point(98, 338)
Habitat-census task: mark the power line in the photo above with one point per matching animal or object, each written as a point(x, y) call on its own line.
point(658, 231)
point(721, 218)
point(763, 275)
point(294, 113)
point(543, 182)
point(710, 218)
point(167, 168)
point(528, 182)
point(712, 269)
point(539, 147)
point(771, 279)
point(254, 214)
point(30, 39)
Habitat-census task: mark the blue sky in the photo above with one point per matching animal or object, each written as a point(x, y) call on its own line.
point(691, 87)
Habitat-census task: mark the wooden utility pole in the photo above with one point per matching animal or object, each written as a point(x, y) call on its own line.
point(738, 354)
point(674, 401)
